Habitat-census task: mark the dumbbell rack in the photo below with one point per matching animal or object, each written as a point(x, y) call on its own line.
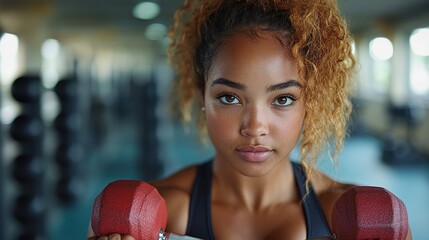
point(29, 206)
point(69, 151)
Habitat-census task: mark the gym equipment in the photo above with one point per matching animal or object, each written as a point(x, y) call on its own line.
point(369, 213)
point(136, 208)
point(131, 207)
point(34, 235)
point(29, 208)
point(27, 168)
point(26, 89)
point(151, 167)
point(26, 127)
point(399, 148)
point(68, 188)
point(69, 152)
point(67, 122)
point(66, 89)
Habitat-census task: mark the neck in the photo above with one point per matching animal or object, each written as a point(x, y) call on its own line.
point(254, 193)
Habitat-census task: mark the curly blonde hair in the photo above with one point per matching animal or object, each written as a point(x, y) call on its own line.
point(313, 30)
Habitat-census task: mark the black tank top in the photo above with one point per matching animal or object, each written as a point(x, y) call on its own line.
point(200, 225)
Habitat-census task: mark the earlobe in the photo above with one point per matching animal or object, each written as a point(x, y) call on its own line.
point(202, 104)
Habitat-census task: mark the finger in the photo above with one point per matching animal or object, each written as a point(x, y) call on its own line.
point(103, 238)
point(115, 236)
point(127, 237)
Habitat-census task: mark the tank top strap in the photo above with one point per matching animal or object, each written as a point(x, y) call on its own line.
point(316, 223)
point(200, 223)
point(200, 217)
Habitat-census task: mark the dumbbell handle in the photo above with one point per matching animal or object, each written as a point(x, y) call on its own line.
point(171, 236)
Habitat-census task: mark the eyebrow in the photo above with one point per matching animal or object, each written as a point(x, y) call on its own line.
point(272, 88)
point(283, 85)
point(228, 83)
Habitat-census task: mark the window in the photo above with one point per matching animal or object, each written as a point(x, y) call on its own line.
point(419, 62)
point(9, 45)
point(381, 51)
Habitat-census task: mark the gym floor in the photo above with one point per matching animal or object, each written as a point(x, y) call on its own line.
point(360, 164)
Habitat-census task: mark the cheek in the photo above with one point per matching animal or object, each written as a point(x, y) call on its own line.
point(219, 126)
point(219, 121)
point(290, 125)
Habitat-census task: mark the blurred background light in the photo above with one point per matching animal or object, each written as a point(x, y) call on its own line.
point(146, 10)
point(381, 49)
point(50, 49)
point(156, 31)
point(9, 44)
point(419, 42)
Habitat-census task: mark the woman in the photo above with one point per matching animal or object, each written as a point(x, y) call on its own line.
point(261, 76)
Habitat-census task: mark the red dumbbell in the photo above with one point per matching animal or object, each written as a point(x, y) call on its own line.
point(136, 208)
point(369, 213)
point(131, 207)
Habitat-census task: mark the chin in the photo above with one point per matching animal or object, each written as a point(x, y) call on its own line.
point(255, 170)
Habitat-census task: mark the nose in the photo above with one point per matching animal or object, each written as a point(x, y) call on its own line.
point(254, 122)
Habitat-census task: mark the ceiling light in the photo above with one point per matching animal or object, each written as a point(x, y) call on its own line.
point(381, 49)
point(146, 10)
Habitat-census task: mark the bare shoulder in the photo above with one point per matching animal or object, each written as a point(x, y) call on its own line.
point(176, 190)
point(328, 192)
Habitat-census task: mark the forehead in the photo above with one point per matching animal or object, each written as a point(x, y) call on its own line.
point(244, 56)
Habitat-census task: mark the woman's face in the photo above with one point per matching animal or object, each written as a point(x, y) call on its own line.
point(253, 103)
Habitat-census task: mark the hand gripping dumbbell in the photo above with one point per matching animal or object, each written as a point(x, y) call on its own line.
point(369, 213)
point(131, 207)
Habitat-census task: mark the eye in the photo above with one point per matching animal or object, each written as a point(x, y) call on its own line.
point(228, 99)
point(284, 101)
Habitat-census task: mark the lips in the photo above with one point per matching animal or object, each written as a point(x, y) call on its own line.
point(254, 153)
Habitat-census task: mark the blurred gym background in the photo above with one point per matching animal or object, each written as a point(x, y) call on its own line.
point(84, 91)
